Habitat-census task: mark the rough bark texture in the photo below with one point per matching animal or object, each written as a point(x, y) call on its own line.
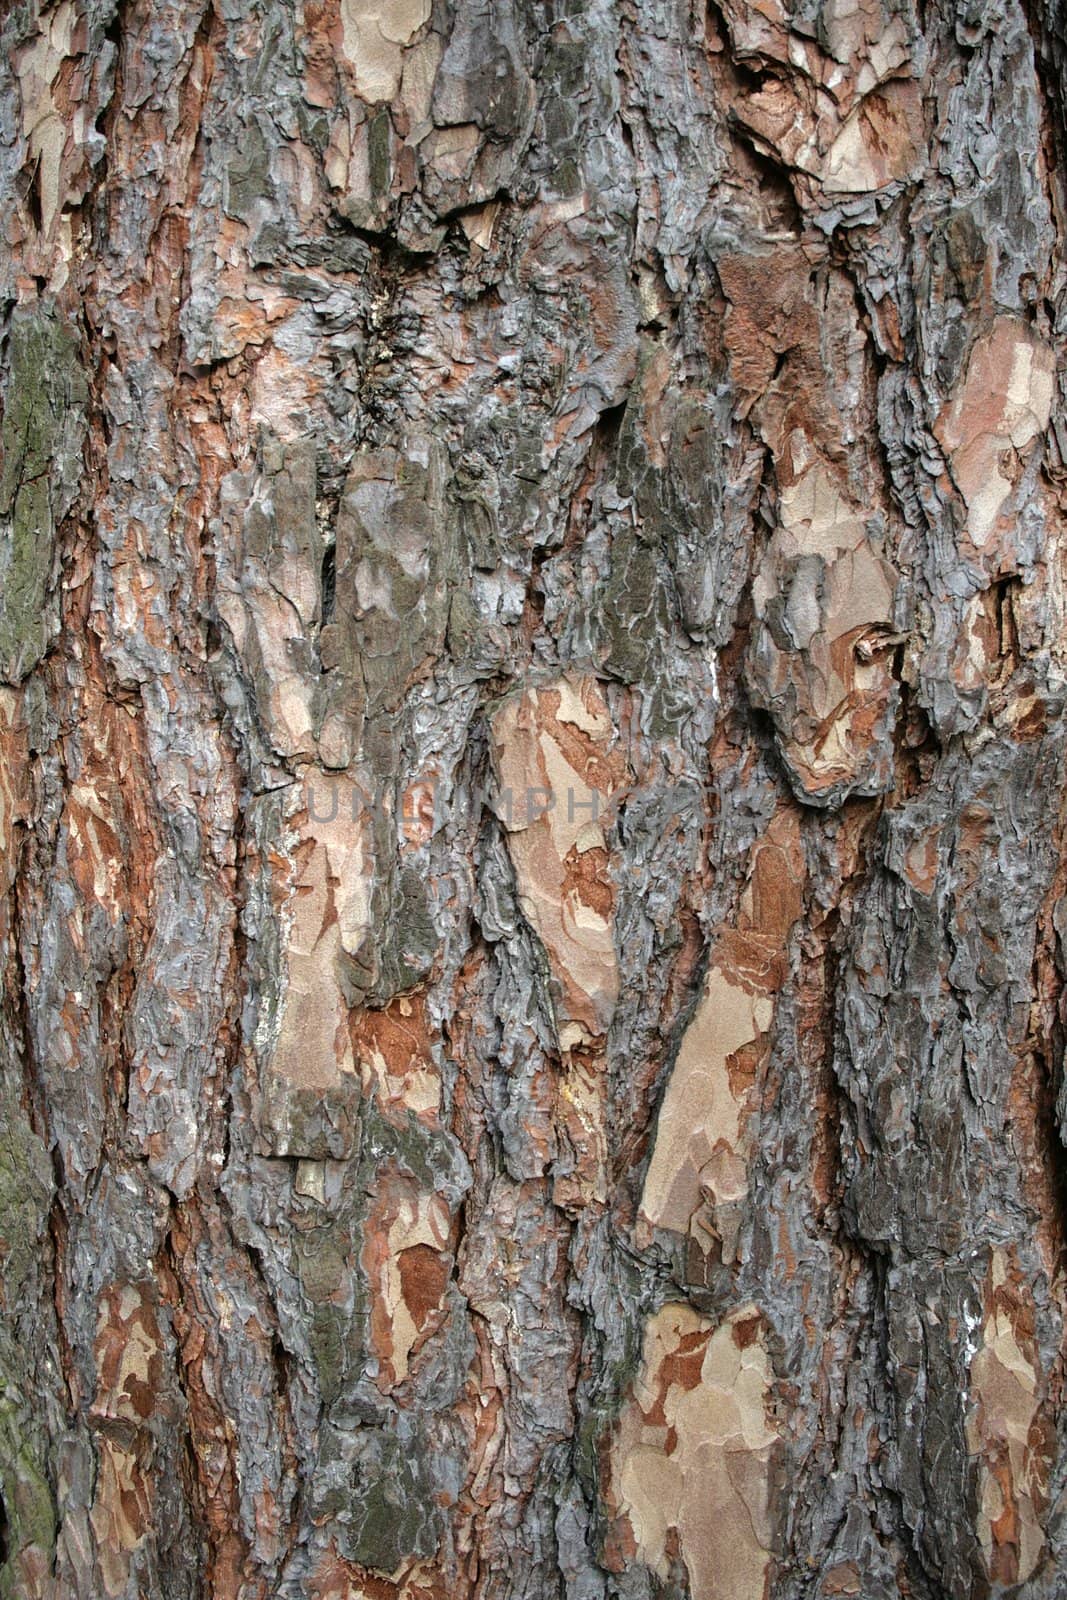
point(533, 663)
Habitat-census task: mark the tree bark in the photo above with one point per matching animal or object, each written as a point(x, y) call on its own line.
point(533, 657)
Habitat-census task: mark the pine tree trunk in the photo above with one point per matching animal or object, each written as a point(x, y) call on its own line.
point(533, 666)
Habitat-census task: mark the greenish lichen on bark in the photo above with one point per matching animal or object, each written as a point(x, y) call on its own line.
point(41, 435)
point(26, 1187)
